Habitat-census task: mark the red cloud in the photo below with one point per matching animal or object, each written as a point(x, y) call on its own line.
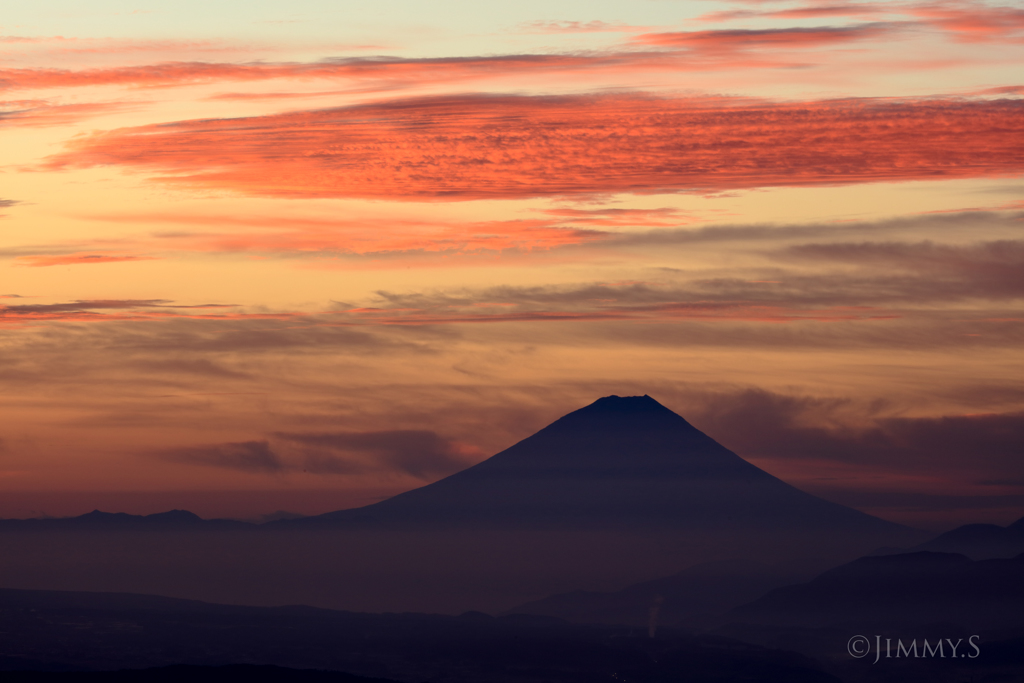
point(505, 147)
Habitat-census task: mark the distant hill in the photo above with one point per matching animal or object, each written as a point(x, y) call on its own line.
point(112, 521)
point(980, 541)
point(916, 588)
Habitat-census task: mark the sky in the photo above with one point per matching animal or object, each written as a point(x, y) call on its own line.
point(303, 256)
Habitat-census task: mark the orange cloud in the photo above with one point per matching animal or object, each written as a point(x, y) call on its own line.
point(76, 259)
point(506, 147)
point(292, 235)
point(397, 237)
point(621, 218)
point(381, 241)
point(44, 113)
point(108, 310)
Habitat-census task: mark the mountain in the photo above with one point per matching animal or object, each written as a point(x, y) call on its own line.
point(617, 493)
point(980, 541)
point(619, 463)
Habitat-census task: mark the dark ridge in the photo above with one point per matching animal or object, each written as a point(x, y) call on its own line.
point(980, 541)
point(129, 644)
point(913, 588)
point(1017, 526)
point(251, 673)
point(690, 598)
point(97, 519)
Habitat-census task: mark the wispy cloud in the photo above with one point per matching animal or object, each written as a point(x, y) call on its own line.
point(506, 147)
point(44, 113)
point(806, 12)
point(6, 204)
point(916, 469)
point(289, 236)
point(960, 20)
point(246, 456)
point(42, 261)
point(422, 454)
point(419, 453)
point(594, 26)
point(973, 22)
point(726, 41)
point(109, 310)
point(384, 72)
point(802, 428)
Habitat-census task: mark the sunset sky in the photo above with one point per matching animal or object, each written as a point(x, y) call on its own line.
point(260, 256)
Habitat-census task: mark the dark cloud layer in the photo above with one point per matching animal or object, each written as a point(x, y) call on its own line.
point(759, 39)
point(952, 224)
point(420, 453)
point(246, 456)
point(985, 449)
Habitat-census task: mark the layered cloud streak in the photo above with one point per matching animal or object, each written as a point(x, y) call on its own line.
point(509, 147)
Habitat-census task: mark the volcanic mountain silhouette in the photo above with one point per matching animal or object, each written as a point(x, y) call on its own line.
point(626, 463)
point(620, 492)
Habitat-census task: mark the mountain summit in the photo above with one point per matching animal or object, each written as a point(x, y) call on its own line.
point(622, 463)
